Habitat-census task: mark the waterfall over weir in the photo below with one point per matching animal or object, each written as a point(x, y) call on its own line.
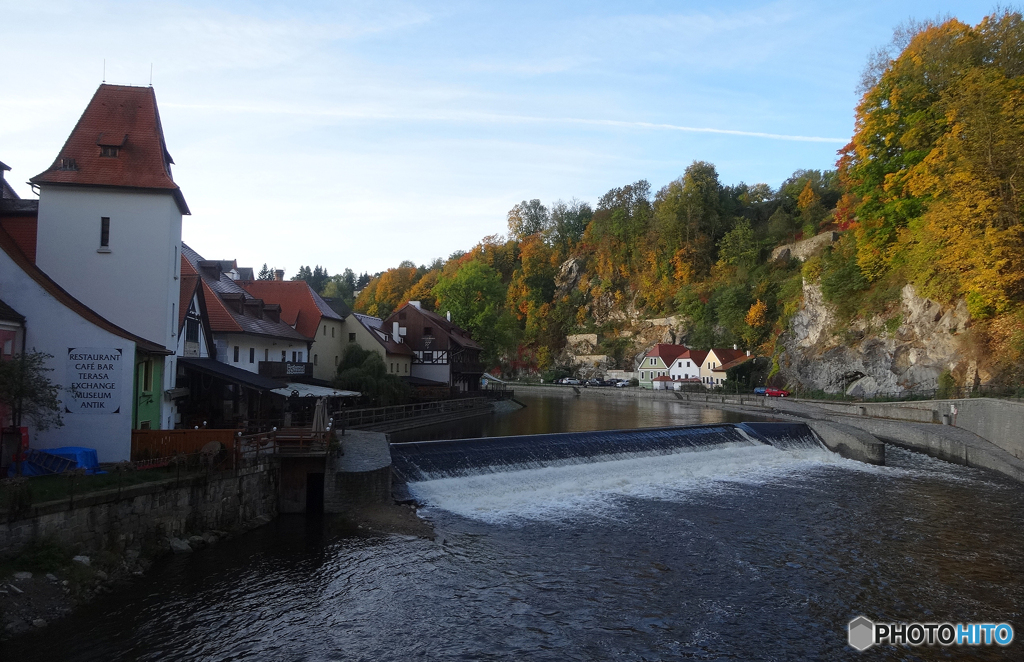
point(431, 460)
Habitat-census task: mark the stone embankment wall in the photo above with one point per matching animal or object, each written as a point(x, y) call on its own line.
point(115, 520)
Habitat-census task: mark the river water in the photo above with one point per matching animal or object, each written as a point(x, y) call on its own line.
point(734, 552)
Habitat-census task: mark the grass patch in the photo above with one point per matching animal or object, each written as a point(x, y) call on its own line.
point(57, 487)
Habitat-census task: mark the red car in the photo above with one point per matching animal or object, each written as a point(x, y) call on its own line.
point(776, 392)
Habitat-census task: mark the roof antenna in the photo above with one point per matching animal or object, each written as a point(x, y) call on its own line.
point(151, 74)
point(104, 70)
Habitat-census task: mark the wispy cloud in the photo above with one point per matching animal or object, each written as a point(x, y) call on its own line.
point(492, 118)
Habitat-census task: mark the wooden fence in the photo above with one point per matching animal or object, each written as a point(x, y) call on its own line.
point(152, 446)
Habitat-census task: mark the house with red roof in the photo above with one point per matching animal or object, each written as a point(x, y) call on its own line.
point(306, 312)
point(657, 362)
point(108, 227)
point(718, 362)
point(443, 353)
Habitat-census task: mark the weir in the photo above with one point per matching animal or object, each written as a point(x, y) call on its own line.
point(428, 460)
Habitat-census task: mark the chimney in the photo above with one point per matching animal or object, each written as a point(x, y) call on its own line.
point(278, 274)
point(449, 315)
point(734, 346)
point(415, 304)
point(394, 332)
point(748, 352)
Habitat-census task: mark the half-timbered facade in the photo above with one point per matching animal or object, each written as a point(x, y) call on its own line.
point(442, 352)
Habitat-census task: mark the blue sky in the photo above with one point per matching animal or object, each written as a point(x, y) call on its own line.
point(360, 134)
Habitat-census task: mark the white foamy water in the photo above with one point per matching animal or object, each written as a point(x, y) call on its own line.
point(556, 491)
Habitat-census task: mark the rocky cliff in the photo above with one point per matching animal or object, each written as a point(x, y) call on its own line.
point(905, 350)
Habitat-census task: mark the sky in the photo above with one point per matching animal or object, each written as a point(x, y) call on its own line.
point(361, 134)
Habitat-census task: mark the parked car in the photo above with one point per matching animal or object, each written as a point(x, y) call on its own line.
point(759, 390)
point(776, 392)
point(593, 382)
point(572, 381)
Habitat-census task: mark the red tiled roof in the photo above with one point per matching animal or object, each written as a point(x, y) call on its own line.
point(122, 116)
point(663, 378)
point(728, 355)
point(732, 364)
point(8, 246)
point(698, 356)
point(221, 320)
point(301, 307)
point(455, 333)
point(668, 353)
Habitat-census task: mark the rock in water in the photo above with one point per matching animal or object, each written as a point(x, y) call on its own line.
point(179, 546)
point(84, 560)
point(22, 575)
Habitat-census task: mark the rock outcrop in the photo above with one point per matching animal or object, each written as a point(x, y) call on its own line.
point(908, 350)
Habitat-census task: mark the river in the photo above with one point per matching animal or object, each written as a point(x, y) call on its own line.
point(741, 553)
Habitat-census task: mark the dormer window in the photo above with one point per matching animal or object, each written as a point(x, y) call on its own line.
point(109, 151)
point(68, 164)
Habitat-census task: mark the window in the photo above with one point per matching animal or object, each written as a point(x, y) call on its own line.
point(108, 151)
point(406, 367)
point(325, 329)
point(428, 330)
point(332, 331)
point(314, 359)
point(392, 366)
point(236, 353)
point(300, 357)
point(252, 355)
point(266, 355)
point(68, 164)
point(104, 232)
point(351, 337)
point(401, 316)
point(335, 359)
point(191, 330)
point(284, 356)
point(147, 375)
point(428, 357)
point(293, 357)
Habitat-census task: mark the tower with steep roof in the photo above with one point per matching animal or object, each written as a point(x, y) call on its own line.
point(109, 224)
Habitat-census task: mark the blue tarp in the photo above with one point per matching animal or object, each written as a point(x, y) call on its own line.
point(82, 457)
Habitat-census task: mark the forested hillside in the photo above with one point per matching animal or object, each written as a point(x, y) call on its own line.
point(927, 193)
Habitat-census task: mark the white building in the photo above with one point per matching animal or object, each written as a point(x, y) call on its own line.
point(109, 224)
point(92, 360)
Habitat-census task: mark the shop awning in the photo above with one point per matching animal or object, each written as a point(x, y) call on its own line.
point(313, 391)
point(230, 373)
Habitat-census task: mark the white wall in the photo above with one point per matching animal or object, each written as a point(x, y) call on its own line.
point(262, 345)
point(135, 284)
point(680, 370)
point(52, 328)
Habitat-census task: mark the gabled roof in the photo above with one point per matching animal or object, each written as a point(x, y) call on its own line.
point(668, 353)
point(9, 314)
point(456, 334)
point(125, 118)
point(732, 364)
point(218, 288)
point(728, 355)
point(339, 306)
point(698, 356)
point(300, 305)
point(375, 326)
point(60, 294)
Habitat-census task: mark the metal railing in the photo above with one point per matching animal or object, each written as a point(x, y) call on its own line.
point(357, 418)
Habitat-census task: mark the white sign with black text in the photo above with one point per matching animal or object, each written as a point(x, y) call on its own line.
point(94, 380)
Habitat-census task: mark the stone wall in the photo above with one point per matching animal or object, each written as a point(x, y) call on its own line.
point(115, 519)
